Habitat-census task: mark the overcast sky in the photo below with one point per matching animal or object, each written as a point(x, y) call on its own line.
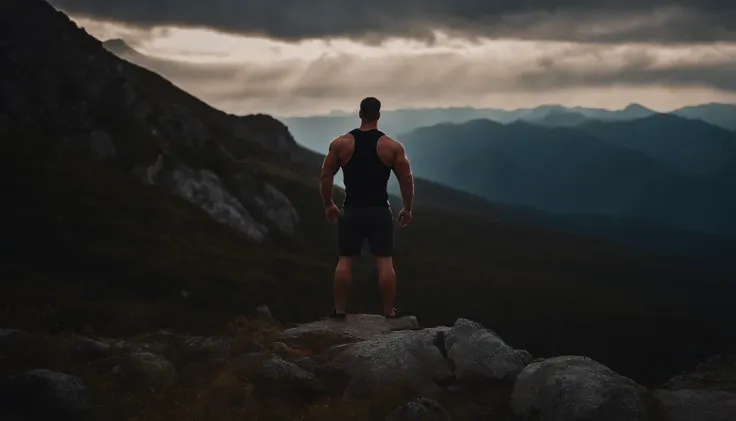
point(289, 57)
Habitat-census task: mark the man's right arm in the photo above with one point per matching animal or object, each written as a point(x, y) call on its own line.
point(402, 169)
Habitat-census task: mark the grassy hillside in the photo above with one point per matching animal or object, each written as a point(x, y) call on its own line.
point(87, 247)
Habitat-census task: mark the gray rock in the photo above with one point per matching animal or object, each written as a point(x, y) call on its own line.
point(213, 345)
point(45, 394)
point(164, 341)
point(89, 349)
point(264, 312)
point(717, 373)
point(478, 354)
point(144, 368)
point(11, 339)
point(696, 405)
point(306, 363)
point(408, 361)
point(354, 327)
point(422, 409)
point(573, 388)
point(277, 208)
point(272, 375)
point(279, 348)
point(151, 172)
point(525, 356)
point(205, 189)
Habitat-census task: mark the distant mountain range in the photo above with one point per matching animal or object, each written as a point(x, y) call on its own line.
point(664, 169)
point(315, 132)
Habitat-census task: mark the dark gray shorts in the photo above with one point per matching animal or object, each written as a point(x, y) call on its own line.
point(375, 224)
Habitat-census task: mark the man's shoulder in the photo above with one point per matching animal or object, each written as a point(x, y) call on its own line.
point(385, 138)
point(341, 140)
point(392, 143)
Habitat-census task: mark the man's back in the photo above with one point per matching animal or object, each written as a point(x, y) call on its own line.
point(365, 174)
point(367, 158)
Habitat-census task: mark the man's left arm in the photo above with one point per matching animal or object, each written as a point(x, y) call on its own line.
point(330, 167)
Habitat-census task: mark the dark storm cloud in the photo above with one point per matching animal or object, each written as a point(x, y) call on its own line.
point(373, 20)
point(717, 76)
point(422, 78)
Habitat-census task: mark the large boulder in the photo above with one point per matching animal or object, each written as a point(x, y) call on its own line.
point(422, 409)
point(477, 354)
point(143, 368)
point(717, 373)
point(409, 362)
point(696, 405)
point(88, 349)
point(13, 339)
point(571, 388)
point(46, 395)
point(273, 376)
point(166, 341)
point(321, 335)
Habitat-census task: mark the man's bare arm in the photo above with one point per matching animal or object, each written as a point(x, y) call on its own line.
point(402, 169)
point(330, 166)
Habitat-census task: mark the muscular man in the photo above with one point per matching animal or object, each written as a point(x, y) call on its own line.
point(367, 156)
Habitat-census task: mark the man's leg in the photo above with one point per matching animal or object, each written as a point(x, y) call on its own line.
point(349, 241)
point(381, 242)
point(343, 279)
point(387, 283)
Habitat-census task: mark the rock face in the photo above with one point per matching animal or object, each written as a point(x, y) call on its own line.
point(276, 377)
point(13, 339)
point(356, 326)
point(46, 395)
point(406, 360)
point(421, 409)
point(375, 355)
point(706, 394)
point(717, 373)
point(696, 405)
point(204, 188)
point(478, 354)
point(573, 388)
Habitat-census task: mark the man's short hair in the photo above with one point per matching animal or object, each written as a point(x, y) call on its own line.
point(370, 108)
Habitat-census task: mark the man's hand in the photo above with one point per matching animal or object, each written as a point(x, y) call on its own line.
point(332, 213)
point(404, 217)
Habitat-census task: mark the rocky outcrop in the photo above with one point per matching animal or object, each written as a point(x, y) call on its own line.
point(717, 373)
point(708, 393)
point(354, 327)
point(366, 361)
point(407, 361)
point(143, 368)
point(271, 375)
point(574, 388)
point(204, 188)
point(45, 394)
point(421, 409)
point(696, 405)
point(478, 354)
point(11, 339)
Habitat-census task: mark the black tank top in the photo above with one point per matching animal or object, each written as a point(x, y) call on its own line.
point(365, 175)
